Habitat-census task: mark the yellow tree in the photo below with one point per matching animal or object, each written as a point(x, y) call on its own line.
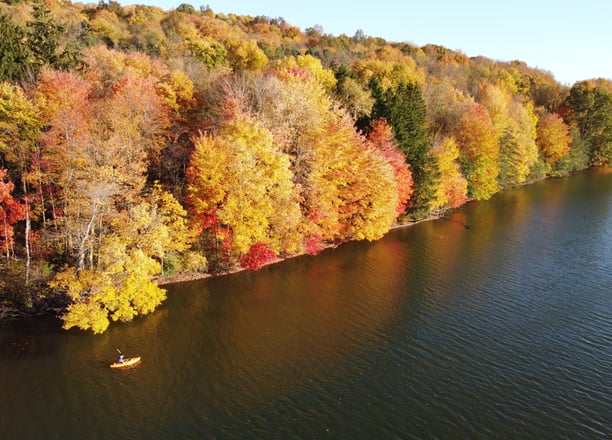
point(293, 106)
point(241, 189)
point(161, 225)
point(479, 151)
point(325, 77)
point(106, 24)
point(515, 124)
point(445, 105)
point(122, 285)
point(520, 154)
point(451, 191)
point(176, 90)
point(117, 237)
point(553, 138)
point(352, 192)
point(77, 198)
point(245, 55)
point(391, 67)
point(354, 97)
point(131, 256)
point(20, 125)
point(381, 139)
point(121, 291)
point(333, 168)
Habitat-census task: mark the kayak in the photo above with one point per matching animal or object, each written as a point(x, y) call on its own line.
point(127, 362)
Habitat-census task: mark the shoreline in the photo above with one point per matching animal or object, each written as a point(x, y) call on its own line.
point(8, 312)
point(184, 278)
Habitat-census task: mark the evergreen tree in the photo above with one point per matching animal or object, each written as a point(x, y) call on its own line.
point(591, 109)
point(24, 51)
point(43, 39)
point(14, 53)
point(405, 110)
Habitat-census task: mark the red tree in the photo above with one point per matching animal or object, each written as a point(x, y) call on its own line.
point(11, 211)
point(381, 137)
point(258, 255)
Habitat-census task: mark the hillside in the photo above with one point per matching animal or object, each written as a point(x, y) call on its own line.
point(137, 143)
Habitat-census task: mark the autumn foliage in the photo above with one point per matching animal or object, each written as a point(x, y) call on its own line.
point(381, 138)
point(479, 148)
point(257, 255)
point(11, 211)
point(452, 189)
point(137, 144)
point(553, 137)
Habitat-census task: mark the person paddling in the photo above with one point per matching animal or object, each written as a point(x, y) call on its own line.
point(123, 362)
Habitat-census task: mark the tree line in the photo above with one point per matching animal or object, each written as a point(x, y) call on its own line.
point(138, 144)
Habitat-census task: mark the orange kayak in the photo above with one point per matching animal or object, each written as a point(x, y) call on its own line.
point(127, 362)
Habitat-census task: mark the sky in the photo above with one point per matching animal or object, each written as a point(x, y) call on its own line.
point(570, 39)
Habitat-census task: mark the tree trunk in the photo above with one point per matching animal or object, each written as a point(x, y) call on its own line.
point(28, 228)
point(6, 239)
point(86, 234)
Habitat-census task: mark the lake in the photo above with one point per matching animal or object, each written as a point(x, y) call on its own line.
point(494, 322)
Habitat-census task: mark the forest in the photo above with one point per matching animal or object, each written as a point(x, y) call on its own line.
point(138, 145)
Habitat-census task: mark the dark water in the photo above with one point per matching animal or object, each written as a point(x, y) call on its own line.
point(499, 330)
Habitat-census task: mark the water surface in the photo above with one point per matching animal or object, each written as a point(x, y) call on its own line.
point(501, 329)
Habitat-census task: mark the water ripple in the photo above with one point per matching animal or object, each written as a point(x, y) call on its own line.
point(503, 330)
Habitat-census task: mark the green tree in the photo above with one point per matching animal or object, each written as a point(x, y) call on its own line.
point(44, 36)
point(405, 110)
point(515, 124)
point(591, 110)
point(14, 52)
point(381, 139)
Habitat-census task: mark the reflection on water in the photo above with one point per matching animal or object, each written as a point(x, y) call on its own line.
point(274, 329)
point(498, 329)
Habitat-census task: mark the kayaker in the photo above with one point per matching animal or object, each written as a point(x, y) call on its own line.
point(120, 360)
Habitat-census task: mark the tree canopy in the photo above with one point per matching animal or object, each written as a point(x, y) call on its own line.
point(137, 144)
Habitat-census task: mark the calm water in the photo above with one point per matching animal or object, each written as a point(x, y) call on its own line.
point(499, 330)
